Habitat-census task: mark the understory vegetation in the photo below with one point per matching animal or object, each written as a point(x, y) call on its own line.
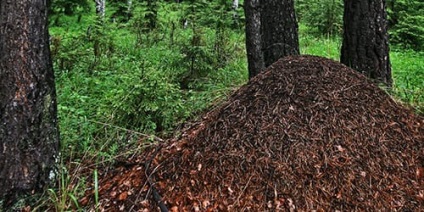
point(120, 82)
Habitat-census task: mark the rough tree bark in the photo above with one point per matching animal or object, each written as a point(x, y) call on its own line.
point(29, 137)
point(365, 46)
point(279, 30)
point(271, 32)
point(253, 37)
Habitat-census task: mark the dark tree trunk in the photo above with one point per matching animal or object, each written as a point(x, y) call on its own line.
point(253, 37)
point(279, 30)
point(365, 45)
point(29, 137)
point(271, 32)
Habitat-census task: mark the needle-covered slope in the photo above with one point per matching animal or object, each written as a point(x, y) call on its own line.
point(307, 134)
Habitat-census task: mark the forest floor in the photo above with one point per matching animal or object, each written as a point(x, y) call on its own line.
point(307, 134)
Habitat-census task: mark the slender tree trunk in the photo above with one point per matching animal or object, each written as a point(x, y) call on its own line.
point(253, 37)
point(29, 137)
point(235, 7)
point(235, 4)
point(365, 45)
point(101, 8)
point(129, 9)
point(279, 30)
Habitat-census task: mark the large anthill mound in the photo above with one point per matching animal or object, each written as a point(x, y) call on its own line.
point(308, 133)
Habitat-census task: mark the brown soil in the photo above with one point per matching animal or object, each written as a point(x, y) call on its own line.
point(307, 134)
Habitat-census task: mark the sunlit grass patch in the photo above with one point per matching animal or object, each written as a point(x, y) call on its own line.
point(408, 78)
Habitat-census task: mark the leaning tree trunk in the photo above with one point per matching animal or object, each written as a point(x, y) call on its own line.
point(279, 30)
point(29, 137)
point(255, 57)
point(365, 45)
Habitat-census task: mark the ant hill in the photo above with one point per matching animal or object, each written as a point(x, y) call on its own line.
point(306, 134)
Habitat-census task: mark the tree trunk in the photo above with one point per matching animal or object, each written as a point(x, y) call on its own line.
point(271, 32)
point(29, 137)
point(365, 45)
point(235, 7)
point(253, 37)
point(129, 9)
point(101, 8)
point(279, 30)
point(235, 4)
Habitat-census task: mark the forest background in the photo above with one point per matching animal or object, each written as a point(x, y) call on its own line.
point(147, 67)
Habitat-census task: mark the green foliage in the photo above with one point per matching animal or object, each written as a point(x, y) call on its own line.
point(406, 28)
point(65, 196)
point(144, 97)
point(325, 46)
point(68, 7)
point(324, 16)
point(116, 80)
point(145, 21)
point(405, 18)
point(121, 10)
point(58, 9)
point(408, 78)
point(197, 60)
point(200, 57)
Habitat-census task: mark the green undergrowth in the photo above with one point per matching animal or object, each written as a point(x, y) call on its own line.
point(114, 81)
point(408, 78)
